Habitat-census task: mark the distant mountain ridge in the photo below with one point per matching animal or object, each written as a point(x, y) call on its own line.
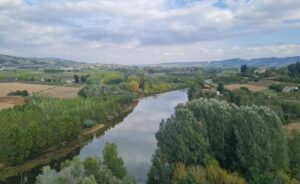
point(237, 62)
point(7, 61)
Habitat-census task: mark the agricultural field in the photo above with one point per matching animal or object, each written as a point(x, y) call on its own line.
point(5, 88)
point(251, 87)
point(267, 83)
point(10, 101)
point(47, 90)
point(61, 92)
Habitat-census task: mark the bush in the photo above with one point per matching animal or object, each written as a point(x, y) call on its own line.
point(88, 123)
point(277, 87)
point(53, 70)
point(18, 93)
point(216, 175)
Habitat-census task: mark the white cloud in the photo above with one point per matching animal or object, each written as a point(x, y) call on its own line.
point(145, 31)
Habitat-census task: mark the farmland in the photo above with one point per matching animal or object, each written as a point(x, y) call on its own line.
point(251, 87)
point(6, 102)
point(45, 90)
point(5, 88)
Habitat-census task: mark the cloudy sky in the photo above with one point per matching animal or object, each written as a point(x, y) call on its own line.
point(149, 31)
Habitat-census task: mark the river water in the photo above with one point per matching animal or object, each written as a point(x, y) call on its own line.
point(134, 135)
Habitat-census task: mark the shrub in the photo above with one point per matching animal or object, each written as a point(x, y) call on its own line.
point(88, 123)
point(216, 175)
point(277, 87)
point(18, 93)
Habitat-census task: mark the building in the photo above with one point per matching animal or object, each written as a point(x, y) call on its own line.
point(288, 89)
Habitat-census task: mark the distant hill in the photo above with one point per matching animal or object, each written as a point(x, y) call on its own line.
point(237, 62)
point(7, 61)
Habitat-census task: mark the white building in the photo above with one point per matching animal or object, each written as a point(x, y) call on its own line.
point(288, 89)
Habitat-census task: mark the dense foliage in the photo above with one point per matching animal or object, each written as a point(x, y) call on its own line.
point(90, 171)
point(287, 110)
point(246, 139)
point(18, 93)
point(45, 122)
point(294, 69)
point(294, 153)
point(283, 104)
point(277, 87)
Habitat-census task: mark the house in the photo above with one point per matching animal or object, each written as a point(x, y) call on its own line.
point(70, 81)
point(260, 71)
point(288, 89)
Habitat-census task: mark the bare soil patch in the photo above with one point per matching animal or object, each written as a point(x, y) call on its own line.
point(10, 101)
point(251, 87)
point(5, 88)
point(293, 126)
point(48, 90)
point(61, 92)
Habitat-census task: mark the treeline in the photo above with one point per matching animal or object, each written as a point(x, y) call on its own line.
point(291, 73)
point(212, 141)
point(45, 122)
point(138, 85)
point(287, 110)
point(294, 69)
point(146, 84)
point(92, 170)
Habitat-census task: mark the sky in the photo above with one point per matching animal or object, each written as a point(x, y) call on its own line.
point(150, 31)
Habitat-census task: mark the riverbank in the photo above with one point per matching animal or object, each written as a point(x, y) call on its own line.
point(63, 149)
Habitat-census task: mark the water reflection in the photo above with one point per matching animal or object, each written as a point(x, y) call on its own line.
point(135, 136)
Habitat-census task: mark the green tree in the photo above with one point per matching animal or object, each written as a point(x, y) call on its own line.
point(244, 69)
point(196, 87)
point(294, 153)
point(242, 139)
point(76, 78)
point(113, 161)
point(221, 88)
point(91, 166)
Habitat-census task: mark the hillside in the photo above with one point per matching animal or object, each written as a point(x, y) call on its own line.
point(7, 61)
point(237, 62)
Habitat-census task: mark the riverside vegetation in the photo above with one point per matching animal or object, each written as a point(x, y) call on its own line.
point(235, 137)
point(92, 170)
point(45, 122)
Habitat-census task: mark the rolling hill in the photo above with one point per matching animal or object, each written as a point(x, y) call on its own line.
point(7, 61)
point(237, 62)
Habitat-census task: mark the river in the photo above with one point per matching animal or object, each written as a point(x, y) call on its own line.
point(134, 135)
